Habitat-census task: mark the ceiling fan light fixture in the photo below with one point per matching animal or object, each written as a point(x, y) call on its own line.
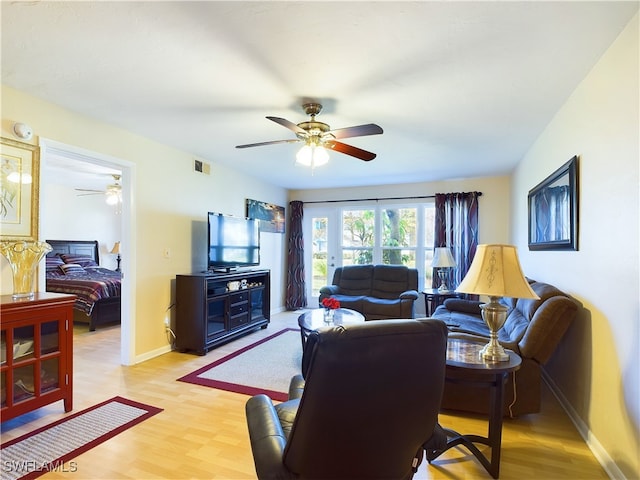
point(111, 198)
point(113, 195)
point(312, 156)
point(304, 156)
point(317, 136)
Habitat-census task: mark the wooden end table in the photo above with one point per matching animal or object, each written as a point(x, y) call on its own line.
point(434, 297)
point(465, 355)
point(314, 319)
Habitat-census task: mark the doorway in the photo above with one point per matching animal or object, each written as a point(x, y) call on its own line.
point(50, 149)
point(321, 226)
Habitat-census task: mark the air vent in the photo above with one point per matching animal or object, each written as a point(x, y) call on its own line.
point(201, 167)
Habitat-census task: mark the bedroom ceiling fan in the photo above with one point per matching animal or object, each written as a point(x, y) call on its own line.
point(113, 192)
point(318, 138)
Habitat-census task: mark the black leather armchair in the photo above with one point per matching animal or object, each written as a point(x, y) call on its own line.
point(376, 291)
point(366, 405)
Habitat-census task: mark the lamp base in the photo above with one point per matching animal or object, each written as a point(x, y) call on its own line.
point(494, 353)
point(442, 273)
point(494, 315)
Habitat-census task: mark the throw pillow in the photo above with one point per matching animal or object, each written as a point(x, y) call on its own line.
point(82, 260)
point(52, 263)
point(69, 268)
point(460, 305)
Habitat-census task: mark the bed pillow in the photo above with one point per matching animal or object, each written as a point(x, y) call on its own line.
point(68, 268)
point(82, 260)
point(53, 263)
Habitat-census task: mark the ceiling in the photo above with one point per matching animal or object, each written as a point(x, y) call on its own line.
point(461, 89)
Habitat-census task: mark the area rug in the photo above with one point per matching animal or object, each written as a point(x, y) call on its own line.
point(265, 366)
point(48, 448)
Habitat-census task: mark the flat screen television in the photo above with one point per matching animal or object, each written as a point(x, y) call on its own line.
point(234, 242)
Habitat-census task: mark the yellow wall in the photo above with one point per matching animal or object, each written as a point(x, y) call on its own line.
point(493, 209)
point(595, 369)
point(168, 209)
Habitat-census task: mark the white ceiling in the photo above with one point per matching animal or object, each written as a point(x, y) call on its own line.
point(461, 89)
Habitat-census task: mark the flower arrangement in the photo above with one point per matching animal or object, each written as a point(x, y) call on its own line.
point(330, 303)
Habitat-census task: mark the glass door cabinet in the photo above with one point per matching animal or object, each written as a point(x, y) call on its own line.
point(36, 353)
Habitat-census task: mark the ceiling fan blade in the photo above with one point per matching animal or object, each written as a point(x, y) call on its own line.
point(88, 190)
point(290, 125)
point(357, 131)
point(260, 144)
point(89, 194)
point(350, 150)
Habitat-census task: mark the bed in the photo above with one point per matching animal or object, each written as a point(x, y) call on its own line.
point(73, 267)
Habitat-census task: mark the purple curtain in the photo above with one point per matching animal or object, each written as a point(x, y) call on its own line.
point(296, 292)
point(457, 228)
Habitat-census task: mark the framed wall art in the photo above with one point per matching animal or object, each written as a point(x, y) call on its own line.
point(271, 216)
point(553, 210)
point(20, 169)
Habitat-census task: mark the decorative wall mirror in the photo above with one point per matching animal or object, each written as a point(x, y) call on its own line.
point(553, 210)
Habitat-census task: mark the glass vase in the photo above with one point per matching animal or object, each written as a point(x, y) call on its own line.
point(23, 258)
point(328, 315)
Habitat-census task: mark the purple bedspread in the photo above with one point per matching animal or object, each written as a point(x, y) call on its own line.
point(90, 285)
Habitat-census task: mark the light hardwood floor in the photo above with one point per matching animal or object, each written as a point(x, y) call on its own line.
point(202, 431)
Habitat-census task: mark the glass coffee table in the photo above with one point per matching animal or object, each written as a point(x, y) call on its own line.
point(312, 320)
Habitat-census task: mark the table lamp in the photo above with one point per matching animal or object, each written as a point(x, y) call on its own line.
point(116, 250)
point(442, 260)
point(495, 272)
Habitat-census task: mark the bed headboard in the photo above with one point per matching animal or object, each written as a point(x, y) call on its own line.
point(74, 247)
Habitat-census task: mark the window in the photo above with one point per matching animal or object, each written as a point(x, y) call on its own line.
point(358, 236)
point(399, 236)
point(389, 234)
point(429, 220)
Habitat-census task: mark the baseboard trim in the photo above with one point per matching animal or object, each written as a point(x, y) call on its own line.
point(601, 454)
point(152, 354)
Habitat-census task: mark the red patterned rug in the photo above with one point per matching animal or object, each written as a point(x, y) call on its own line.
point(265, 366)
point(47, 449)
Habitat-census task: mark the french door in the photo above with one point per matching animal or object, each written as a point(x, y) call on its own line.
point(322, 226)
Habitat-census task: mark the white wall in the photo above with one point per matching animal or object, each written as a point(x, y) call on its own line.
point(71, 217)
point(596, 367)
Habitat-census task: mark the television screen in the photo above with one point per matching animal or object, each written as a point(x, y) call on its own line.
point(233, 241)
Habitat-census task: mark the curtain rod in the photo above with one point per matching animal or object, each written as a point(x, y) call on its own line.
point(376, 199)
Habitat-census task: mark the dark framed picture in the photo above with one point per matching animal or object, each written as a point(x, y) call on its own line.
point(553, 210)
point(271, 216)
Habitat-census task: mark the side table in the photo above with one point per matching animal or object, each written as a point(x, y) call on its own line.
point(434, 297)
point(465, 355)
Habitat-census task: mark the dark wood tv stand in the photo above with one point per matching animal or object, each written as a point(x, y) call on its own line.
point(212, 309)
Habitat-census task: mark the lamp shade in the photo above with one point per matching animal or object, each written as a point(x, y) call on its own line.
point(442, 258)
point(116, 248)
point(496, 272)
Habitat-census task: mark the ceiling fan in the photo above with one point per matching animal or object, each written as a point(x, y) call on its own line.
point(113, 192)
point(318, 136)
